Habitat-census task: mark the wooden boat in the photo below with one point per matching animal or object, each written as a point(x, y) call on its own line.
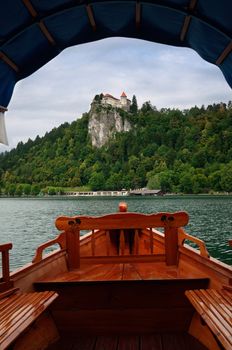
point(122, 285)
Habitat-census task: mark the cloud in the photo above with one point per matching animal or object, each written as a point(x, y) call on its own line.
point(63, 89)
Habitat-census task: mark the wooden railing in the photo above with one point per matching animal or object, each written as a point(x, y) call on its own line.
point(125, 248)
point(5, 282)
point(174, 237)
point(122, 222)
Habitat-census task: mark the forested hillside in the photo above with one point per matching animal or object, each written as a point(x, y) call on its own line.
point(186, 151)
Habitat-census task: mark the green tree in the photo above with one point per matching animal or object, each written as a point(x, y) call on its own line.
point(134, 105)
point(200, 183)
point(166, 181)
point(186, 183)
point(199, 158)
point(19, 190)
point(52, 191)
point(97, 181)
point(27, 189)
point(133, 162)
point(11, 189)
point(146, 107)
point(154, 182)
point(226, 178)
point(114, 182)
point(35, 190)
point(215, 180)
point(168, 145)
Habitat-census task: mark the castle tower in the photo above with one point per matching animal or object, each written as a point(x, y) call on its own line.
point(123, 99)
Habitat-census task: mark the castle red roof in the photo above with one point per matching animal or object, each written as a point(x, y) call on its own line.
point(123, 94)
point(108, 95)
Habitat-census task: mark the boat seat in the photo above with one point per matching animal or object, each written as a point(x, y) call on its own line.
point(214, 307)
point(18, 311)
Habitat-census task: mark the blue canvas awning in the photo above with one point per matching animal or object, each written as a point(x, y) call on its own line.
point(32, 32)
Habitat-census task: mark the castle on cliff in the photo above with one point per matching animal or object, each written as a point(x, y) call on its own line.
point(123, 102)
point(105, 122)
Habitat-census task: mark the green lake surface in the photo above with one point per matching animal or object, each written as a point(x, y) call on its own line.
point(28, 222)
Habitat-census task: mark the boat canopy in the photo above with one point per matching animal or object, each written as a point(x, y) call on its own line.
point(32, 32)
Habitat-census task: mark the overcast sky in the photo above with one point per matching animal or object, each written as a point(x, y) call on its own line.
point(63, 89)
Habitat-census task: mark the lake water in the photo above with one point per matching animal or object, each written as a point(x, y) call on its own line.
point(28, 222)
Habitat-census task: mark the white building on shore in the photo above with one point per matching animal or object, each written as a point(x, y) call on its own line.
point(97, 193)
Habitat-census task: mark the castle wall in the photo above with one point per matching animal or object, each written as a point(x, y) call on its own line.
point(111, 101)
point(123, 103)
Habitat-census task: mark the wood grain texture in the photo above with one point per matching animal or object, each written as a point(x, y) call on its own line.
point(60, 240)
point(52, 265)
point(73, 247)
point(215, 307)
point(18, 311)
point(39, 336)
point(122, 233)
point(193, 264)
point(182, 236)
point(96, 260)
point(171, 245)
point(103, 272)
point(123, 221)
point(199, 330)
point(130, 273)
point(5, 282)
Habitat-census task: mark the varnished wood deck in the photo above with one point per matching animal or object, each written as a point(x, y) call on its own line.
point(117, 272)
point(171, 341)
point(121, 299)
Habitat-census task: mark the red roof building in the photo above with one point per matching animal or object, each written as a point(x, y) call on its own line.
point(123, 103)
point(108, 95)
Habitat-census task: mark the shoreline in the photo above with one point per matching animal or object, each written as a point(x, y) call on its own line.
point(114, 194)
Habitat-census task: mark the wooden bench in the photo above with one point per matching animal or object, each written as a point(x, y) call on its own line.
point(18, 311)
point(128, 227)
point(214, 307)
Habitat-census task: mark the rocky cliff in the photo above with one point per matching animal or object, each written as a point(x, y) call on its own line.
point(104, 122)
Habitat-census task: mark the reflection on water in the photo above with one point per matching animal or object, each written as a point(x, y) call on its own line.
point(30, 222)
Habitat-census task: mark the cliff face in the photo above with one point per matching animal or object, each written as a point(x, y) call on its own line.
point(104, 123)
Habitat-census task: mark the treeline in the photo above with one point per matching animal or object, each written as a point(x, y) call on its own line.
point(187, 151)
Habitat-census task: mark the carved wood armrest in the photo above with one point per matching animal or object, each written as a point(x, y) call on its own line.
point(61, 240)
point(182, 236)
